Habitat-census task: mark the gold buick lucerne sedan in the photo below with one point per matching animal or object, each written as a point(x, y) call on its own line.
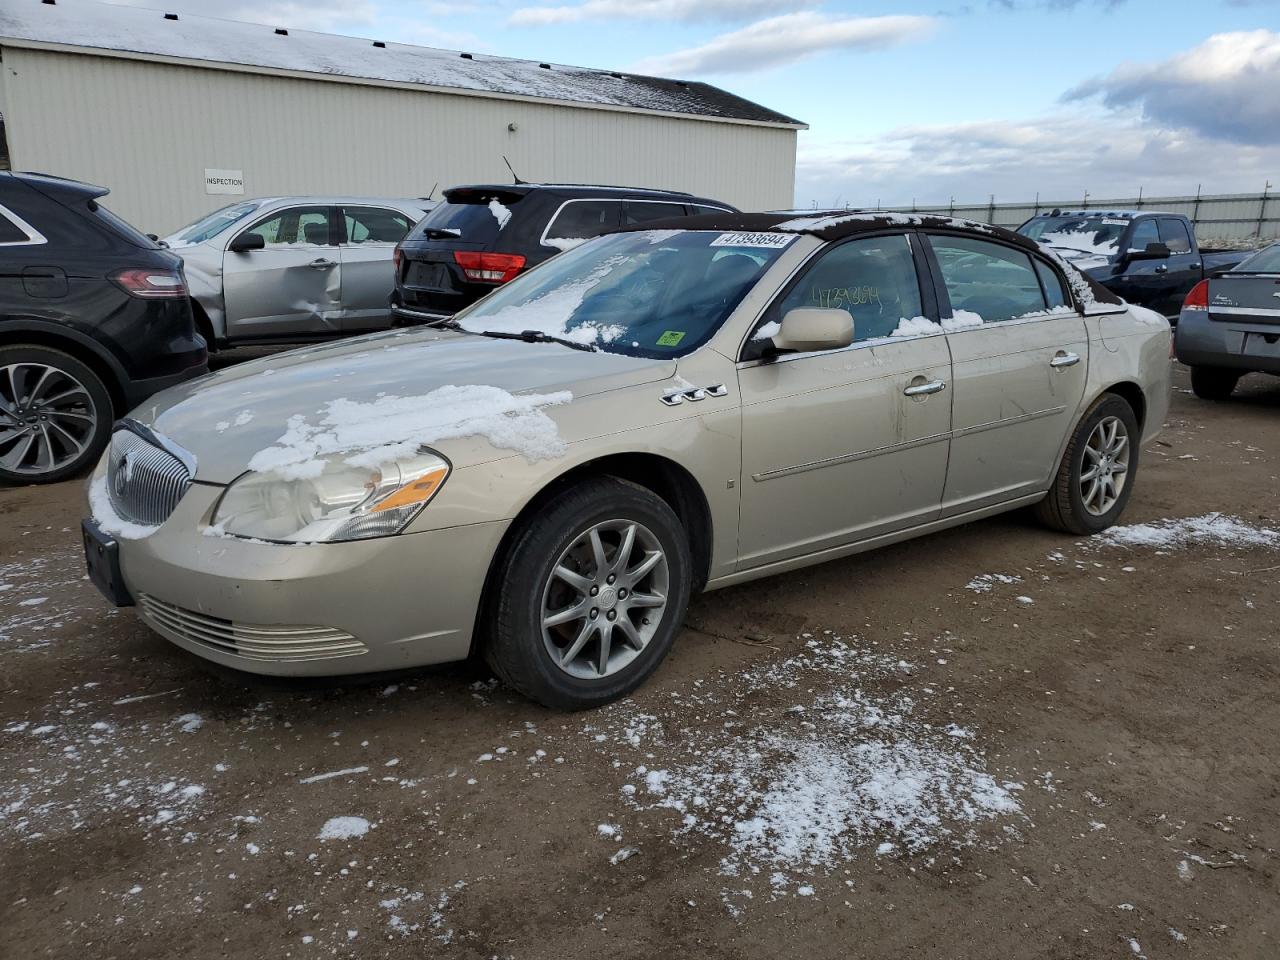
point(546, 478)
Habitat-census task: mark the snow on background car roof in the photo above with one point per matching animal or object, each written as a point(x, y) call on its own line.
point(126, 29)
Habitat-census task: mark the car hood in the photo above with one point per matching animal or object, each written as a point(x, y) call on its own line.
point(224, 418)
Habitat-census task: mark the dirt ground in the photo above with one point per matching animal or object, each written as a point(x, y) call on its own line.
point(997, 742)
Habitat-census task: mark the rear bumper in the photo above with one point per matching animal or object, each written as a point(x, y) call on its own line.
point(405, 315)
point(136, 391)
point(309, 610)
point(1232, 344)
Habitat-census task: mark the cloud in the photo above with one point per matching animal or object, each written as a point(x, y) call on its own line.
point(682, 11)
point(1225, 88)
point(786, 39)
point(1058, 156)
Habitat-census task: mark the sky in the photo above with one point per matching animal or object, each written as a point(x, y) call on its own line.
point(919, 101)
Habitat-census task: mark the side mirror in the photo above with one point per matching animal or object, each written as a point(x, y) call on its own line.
point(246, 242)
point(808, 329)
point(1154, 251)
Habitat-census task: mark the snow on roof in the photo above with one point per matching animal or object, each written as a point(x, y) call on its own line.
point(134, 30)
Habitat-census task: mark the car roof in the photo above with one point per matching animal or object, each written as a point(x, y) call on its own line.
point(832, 226)
point(419, 202)
point(1125, 214)
point(47, 183)
point(581, 190)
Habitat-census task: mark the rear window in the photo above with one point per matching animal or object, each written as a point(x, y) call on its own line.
point(1264, 261)
point(472, 217)
point(119, 227)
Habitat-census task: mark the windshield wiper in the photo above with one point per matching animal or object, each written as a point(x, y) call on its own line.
point(532, 336)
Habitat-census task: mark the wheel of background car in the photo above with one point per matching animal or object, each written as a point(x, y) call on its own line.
point(1096, 476)
point(1213, 383)
point(589, 595)
point(55, 415)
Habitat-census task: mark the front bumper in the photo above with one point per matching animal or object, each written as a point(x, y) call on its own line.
point(1231, 344)
point(314, 609)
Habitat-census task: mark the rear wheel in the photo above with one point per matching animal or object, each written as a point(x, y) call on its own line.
point(55, 415)
point(589, 596)
point(1213, 383)
point(1095, 477)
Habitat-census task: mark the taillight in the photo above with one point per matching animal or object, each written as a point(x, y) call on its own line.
point(489, 267)
point(151, 284)
point(397, 257)
point(1198, 298)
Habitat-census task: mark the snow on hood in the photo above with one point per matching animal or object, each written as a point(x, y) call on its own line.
point(480, 399)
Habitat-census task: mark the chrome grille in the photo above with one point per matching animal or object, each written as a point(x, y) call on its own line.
point(144, 482)
point(251, 641)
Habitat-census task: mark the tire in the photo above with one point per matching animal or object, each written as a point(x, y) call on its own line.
point(541, 662)
point(1065, 507)
point(1213, 383)
point(55, 415)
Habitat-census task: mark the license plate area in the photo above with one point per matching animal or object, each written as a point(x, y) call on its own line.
point(102, 560)
point(1262, 345)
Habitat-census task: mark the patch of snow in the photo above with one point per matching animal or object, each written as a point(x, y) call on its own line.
point(111, 522)
point(564, 243)
point(343, 828)
point(768, 331)
point(1212, 528)
point(189, 722)
point(983, 582)
point(335, 773)
point(388, 428)
point(500, 213)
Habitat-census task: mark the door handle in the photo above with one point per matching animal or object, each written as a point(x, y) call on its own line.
point(1062, 359)
point(1162, 269)
point(322, 264)
point(924, 389)
point(1195, 266)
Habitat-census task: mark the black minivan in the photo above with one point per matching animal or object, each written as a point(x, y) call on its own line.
point(94, 318)
point(484, 235)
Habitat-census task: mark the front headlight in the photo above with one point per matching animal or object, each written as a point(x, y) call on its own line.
point(341, 503)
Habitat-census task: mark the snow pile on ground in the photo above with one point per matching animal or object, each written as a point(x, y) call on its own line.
point(1212, 528)
point(841, 771)
point(390, 427)
point(52, 578)
point(983, 582)
point(343, 828)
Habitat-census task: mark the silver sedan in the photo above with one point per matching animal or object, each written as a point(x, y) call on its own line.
point(294, 268)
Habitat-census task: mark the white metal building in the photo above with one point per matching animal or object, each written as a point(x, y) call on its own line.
point(175, 112)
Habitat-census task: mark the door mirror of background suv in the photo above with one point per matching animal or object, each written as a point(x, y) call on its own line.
point(246, 242)
point(1153, 251)
point(808, 329)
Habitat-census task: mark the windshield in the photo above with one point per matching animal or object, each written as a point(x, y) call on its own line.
point(210, 226)
point(1266, 260)
point(656, 293)
point(1097, 235)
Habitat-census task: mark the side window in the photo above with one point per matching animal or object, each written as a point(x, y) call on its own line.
point(642, 211)
point(873, 279)
point(374, 225)
point(298, 225)
point(10, 232)
point(701, 210)
point(584, 219)
point(1052, 284)
point(1144, 232)
point(1173, 233)
point(987, 279)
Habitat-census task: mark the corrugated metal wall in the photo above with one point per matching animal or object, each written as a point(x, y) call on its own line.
point(1224, 218)
point(148, 131)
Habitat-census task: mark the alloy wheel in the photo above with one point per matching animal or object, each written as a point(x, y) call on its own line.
point(47, 418)
point(1105, 466)
point(604, 599)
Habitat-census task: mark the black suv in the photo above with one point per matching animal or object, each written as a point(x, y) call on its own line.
point(94, 318)
point(484, 235)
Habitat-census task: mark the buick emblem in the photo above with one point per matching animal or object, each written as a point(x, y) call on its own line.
point(1276, 295)
point(121, 479)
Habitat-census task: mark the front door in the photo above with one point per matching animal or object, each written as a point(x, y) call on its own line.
point(1182, 269)
point(1020, 357)
point(845, 445)
point(292, 286)
point(368, 239)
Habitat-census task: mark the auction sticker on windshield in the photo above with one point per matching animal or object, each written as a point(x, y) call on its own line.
point(771, 241)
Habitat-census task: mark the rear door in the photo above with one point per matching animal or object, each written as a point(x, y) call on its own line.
point(1020, 357)
point(846, 445)
point(367, 237)
point(293, 285)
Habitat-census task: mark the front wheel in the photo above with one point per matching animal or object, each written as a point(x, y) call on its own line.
point(1213, 383)
point(1095, 478)
point(589, 595)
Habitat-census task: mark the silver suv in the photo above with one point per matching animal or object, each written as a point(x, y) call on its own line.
point(294, 268)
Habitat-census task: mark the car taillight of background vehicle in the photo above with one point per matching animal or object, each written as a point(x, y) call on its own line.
point(1198, 298)
point(397, 257)
point(489, 267)
point(151, 284)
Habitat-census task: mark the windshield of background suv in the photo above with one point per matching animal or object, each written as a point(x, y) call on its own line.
point(213, 224)
point(656, 293)
point(1097, 235)
point(1266, 260)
